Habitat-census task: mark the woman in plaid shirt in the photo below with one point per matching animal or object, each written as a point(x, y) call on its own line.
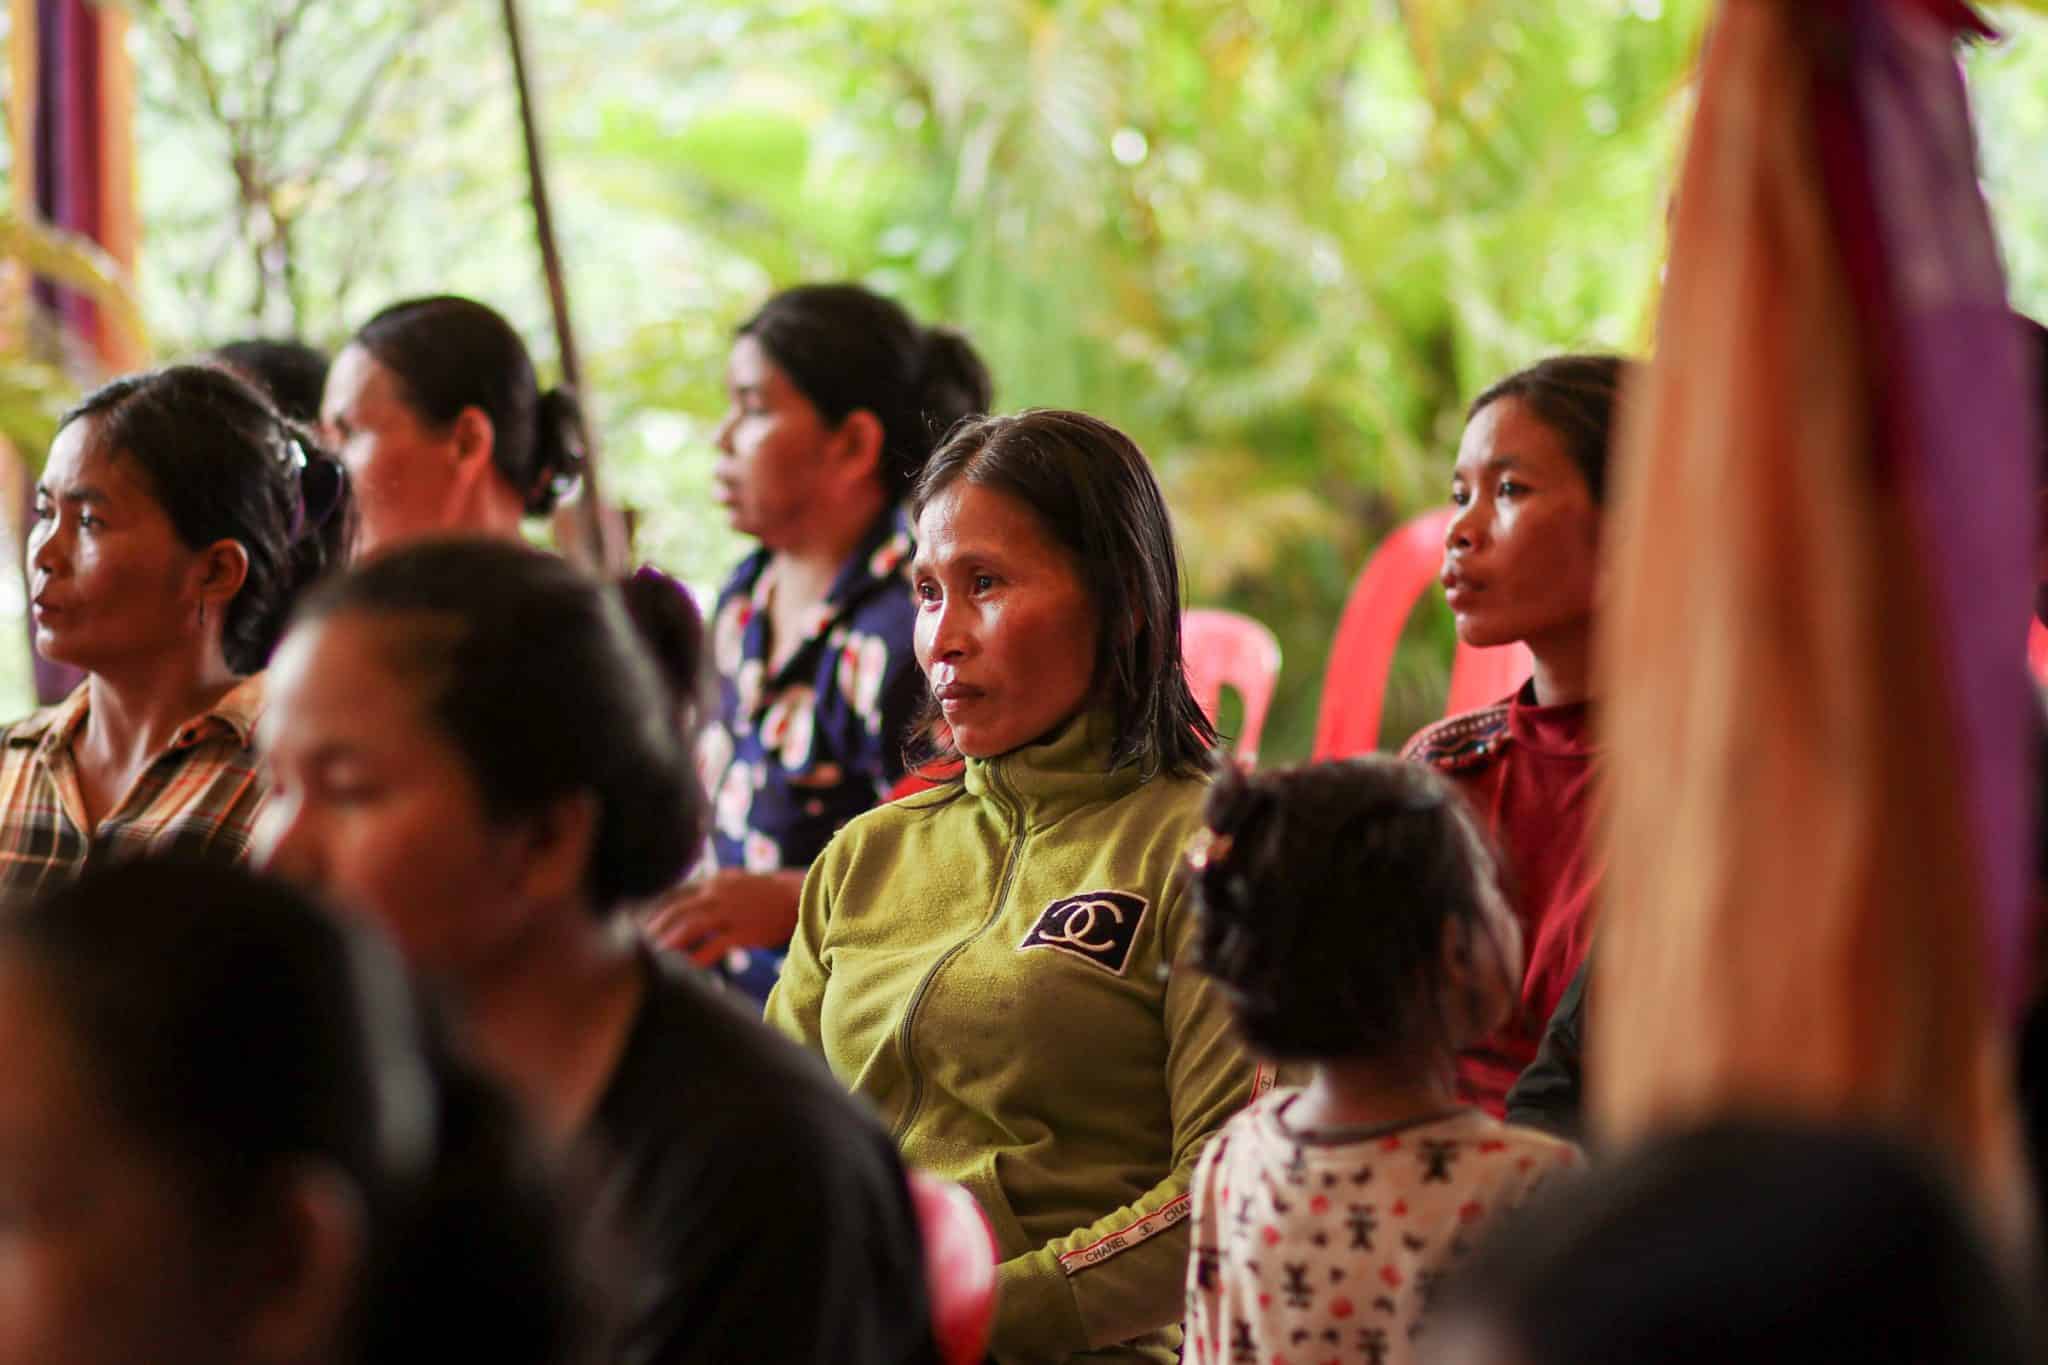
point(176, 519)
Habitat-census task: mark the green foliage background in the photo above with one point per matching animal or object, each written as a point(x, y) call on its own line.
point(1277, 242)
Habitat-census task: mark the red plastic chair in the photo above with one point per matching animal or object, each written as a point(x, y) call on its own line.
point(911, 783)
point(1405, 566)
point(922, 780)
point(2037, 652)
point(959, 1267)
point(1228, 649)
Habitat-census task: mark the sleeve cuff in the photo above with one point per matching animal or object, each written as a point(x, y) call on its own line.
point(1037, 1317)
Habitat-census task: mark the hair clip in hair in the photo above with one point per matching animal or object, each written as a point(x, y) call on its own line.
point(316, 488)
point(564, 484)
point(1208, 847)
point(295, 462)
point(320, 492)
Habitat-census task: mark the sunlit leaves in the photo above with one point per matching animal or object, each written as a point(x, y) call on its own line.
point(1280, 242)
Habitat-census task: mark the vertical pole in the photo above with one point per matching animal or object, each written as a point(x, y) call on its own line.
point(581, 524)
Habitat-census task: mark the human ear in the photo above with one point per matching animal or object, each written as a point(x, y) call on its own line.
point(553, 847)
point(305, 1268)
point(474, 435)
point(857, 444)
point(223, 569)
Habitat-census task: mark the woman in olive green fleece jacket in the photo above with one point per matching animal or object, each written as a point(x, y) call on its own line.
point(999, 966)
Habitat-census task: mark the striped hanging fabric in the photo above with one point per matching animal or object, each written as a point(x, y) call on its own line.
point(1812, 662)
point(74, 154)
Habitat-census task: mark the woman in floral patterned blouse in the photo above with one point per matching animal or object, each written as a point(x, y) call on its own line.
point(837, 397)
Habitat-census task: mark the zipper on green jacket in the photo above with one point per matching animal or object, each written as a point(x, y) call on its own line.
point(1010, 856)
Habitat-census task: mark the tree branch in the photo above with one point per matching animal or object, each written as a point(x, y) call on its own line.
point(364, 101)
point(179, 25)
point(282, 30)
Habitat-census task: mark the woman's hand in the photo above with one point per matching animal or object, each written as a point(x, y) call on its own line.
point(711, 916)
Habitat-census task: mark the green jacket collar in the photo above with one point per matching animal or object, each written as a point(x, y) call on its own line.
point(1042, 782)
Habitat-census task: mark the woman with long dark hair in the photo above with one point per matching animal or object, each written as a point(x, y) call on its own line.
point(1001, 965)
point(1765, 1239)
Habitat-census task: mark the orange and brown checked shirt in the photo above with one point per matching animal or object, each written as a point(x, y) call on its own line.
point(200, 796)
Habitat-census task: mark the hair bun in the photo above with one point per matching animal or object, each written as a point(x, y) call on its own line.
point(558, 455)
point(1236, 803)
point(671, 626)
point(1235, 800)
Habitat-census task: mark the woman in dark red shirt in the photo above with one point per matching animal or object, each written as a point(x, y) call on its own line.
point(1520, 565)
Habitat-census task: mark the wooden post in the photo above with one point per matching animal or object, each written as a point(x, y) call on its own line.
point(587, 533)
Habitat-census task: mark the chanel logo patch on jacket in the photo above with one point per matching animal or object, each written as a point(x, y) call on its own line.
point(1096, 926)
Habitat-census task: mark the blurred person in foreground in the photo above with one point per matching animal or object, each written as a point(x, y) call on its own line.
point(230, 1136)
point(472, 747)
point(1750, 1241)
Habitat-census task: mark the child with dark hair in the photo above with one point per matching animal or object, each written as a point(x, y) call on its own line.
point(1352, 913)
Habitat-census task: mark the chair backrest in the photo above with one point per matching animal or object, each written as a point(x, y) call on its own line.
point(1228, 649)
point(1400, 571)
point(959, 1267)
point(924, 779)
